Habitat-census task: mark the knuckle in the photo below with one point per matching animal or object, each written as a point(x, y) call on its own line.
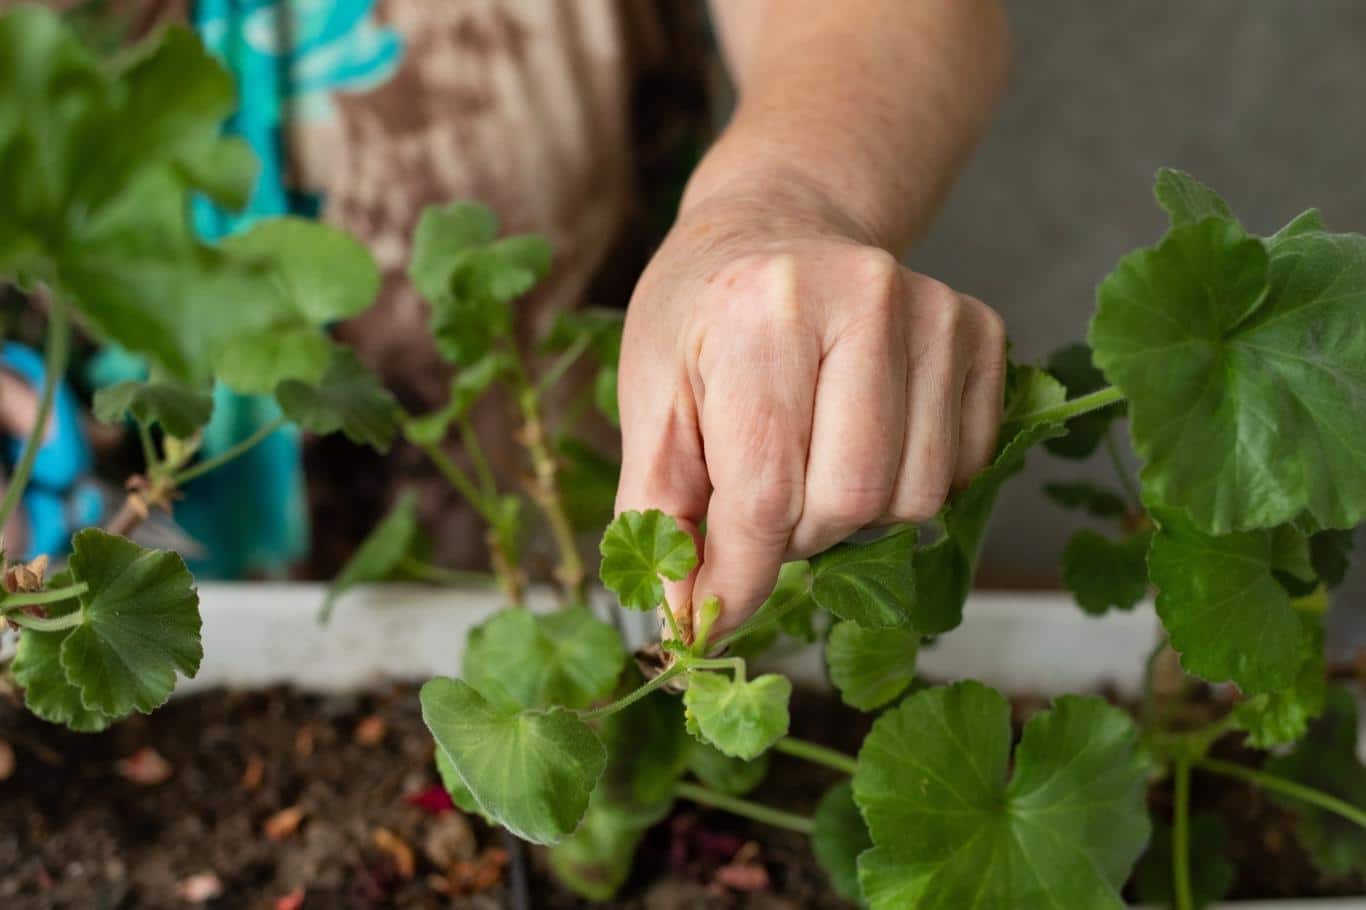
point(921, 501)
point(773, 505)
point(851, 506)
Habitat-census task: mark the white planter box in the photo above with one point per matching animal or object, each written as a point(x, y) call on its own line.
point(257, 635)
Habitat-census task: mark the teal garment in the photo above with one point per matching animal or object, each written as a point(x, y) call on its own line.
point(288, 57)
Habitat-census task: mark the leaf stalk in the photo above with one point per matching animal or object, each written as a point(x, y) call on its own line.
point(758, 812)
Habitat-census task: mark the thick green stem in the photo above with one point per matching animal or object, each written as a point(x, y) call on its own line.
point(635, 695)
point(813, 752)
point(38, 598)
point(734, 664)
point(222, 458)
point(1181, 873)
point(45, 624)
point(54, 367)
point(758, 812)
point(1290, 788)
point(1073, 407)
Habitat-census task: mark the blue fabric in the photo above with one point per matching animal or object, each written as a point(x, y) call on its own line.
point(64, 455)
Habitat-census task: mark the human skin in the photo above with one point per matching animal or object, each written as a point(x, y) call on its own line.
point(782, 376)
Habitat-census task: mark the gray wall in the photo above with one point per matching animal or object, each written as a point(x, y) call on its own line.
point(1263, 100)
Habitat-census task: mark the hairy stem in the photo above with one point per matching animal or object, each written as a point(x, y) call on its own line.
point(814, 752)
point(210, 464)
point(1290, 788)
point(45, 624)
point(38, 598)
point(545, 486)
point(1073, 407)
point(54, 367)
point(635, 694)
point(1181, 873)
point(758, 812)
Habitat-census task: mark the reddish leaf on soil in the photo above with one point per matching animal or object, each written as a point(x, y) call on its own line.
point(294, 900)
point(283, 824)
point(433, 800)
point(396, 849)
point(146, 766)
point(253, 773)
point(745, 872)
point(370, 730)
point(7, 761)
point(479, 874)
point(199, 888)
point(304, 741)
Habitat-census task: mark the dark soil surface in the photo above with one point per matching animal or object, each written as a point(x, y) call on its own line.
point(281, 801)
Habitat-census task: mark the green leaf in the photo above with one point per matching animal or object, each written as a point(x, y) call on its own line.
point(1211, 871)
point(532, 771)
point(442, 233)
point(605, 395)
point(179, 410)
point(348, 398)
point(1102, 573)
point(1244, 374)
point(790, 607)
point(1073, 367)
point(599, 327)
point(1186, 199)
point(1330, 554)
point(950, 829)
point(1087, 497)
point(1327, 760)
point(1028, 390)
point(648, 750)
point(870, 667)
point(567, 658)
point(945, 569)
point(473, 311)
point(1223, 608)
point(379, 554)
point(740, 718)
point(1280, 717)
point(719, 771)
point(225, 171)
point(872, 584)
point(838, 839)
point(1305, 222)
point(640, 547)
point(140, 624)
point(588, 484)
point(460, 794)
point(595, 861)
point(318, 274)
point(37, 668)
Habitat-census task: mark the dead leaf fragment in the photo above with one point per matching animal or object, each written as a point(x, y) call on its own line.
point(284, 823)
point(371, 730)
point(449, 840)
point(304, 741)
point(199, 888)
point(146, 767)
point(405, 864)
point(7, 761)
point(253, 773)
point(26, 577)
point(478, 874)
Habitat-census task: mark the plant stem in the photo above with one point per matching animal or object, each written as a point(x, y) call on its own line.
point(1073, 407)
point(461, 481)
point(545, 487)
point(634, 695)
point(1147, 712)
point(222, 458)
point(44, 624)
point(1290, 788)
point(814, 752)
point(760, 813)
point(567, 359)
point(1181, 873)
point(442, 576)
point(149, 449)
point(38, 598)
point(470, 440)
point(734, 664)
point(1122, 471)
point(54, 367)
point(672, 620)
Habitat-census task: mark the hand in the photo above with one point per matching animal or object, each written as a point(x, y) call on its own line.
point(792, 384)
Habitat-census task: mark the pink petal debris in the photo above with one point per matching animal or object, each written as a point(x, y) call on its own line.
point(199, 888)
point(146, 766)
point(291, 901)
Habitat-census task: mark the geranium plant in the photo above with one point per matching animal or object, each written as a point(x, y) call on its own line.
point(1240, 362)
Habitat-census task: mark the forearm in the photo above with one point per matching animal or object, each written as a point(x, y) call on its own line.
point(862, 110)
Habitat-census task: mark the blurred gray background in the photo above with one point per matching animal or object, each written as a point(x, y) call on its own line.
point(1263, 100)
